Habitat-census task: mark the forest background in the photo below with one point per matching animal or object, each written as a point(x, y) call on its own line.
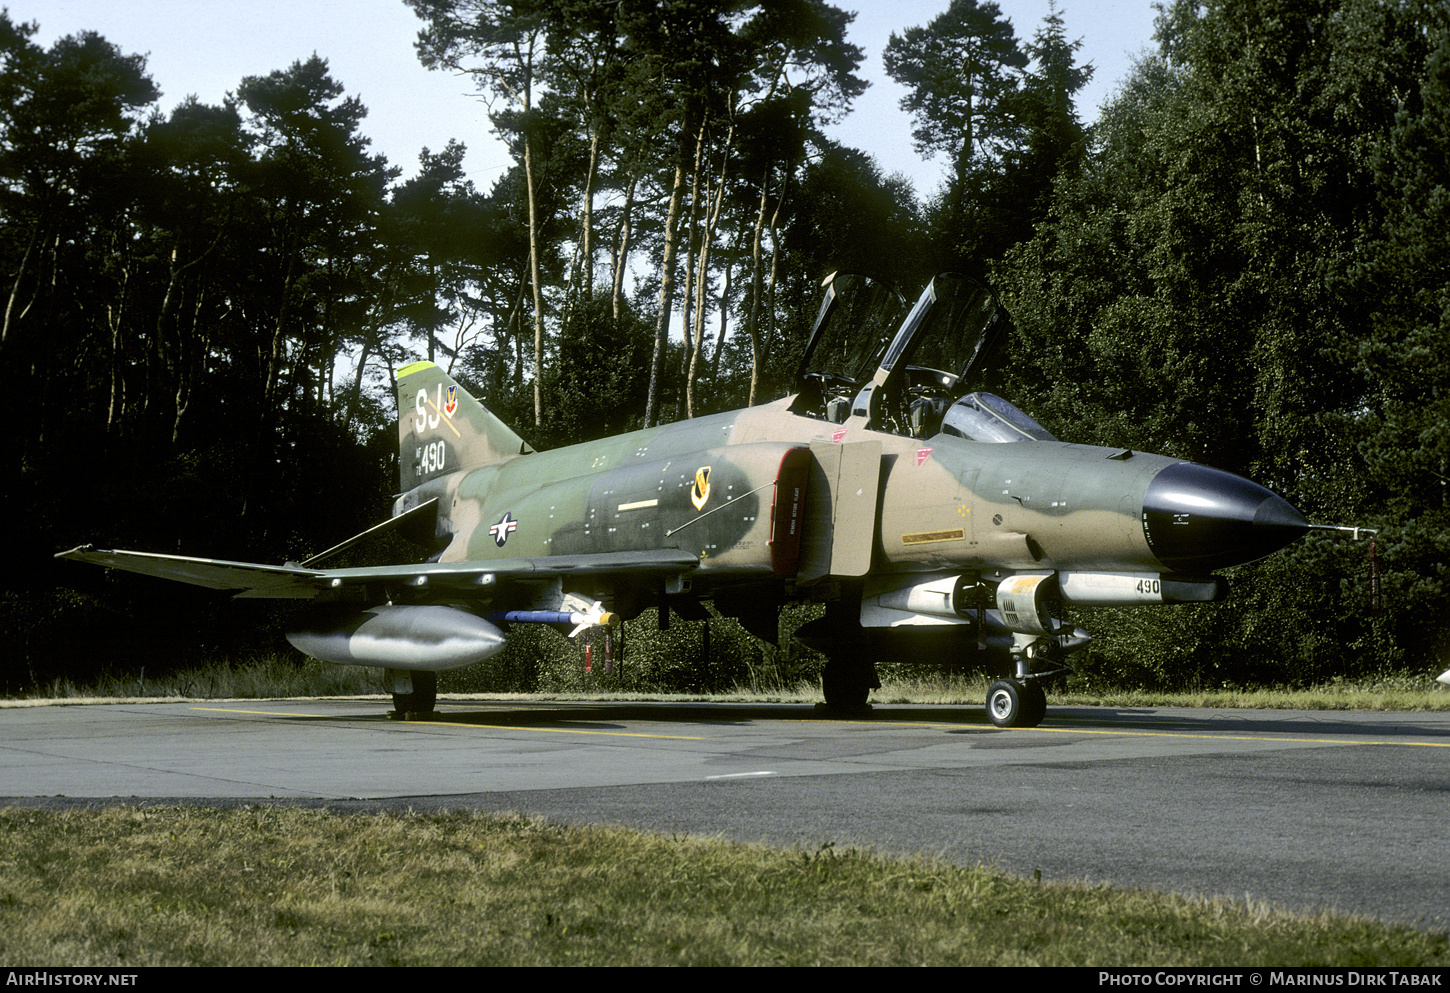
point(1243, 263)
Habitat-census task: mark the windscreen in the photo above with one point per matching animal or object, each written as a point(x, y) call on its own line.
point(986, 417)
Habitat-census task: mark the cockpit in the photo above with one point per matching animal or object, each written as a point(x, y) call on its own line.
point(987, 417)
point(907, 375)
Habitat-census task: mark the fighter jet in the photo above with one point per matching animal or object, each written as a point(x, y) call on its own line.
point(932, 521)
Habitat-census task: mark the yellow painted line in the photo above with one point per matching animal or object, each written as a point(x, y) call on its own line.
point(882, 724)
point(615, 734)
point(1236, 737)
point(460, 724)
point(1144, 734)
point(262, 713)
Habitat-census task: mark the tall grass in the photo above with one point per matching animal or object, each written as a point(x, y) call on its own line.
point(272, 677)
point(259, 677)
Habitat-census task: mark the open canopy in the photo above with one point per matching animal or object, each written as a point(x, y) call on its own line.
point(905, 375)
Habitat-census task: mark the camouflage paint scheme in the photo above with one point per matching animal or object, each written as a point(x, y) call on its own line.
point(633, 492)
point(937, 544)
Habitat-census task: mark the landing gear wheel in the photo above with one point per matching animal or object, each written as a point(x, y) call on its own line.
point(1014, 703)
point(846, 685)
point(414, 691)
point(1033, 693)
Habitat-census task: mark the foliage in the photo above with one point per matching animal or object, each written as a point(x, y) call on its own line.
point(600, 377)
point(687, 657)
point(1002, 112)
point(1233, 277)
point(958, 71)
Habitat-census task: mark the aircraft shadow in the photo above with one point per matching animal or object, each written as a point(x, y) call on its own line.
point(611, 715)
point(618, 714)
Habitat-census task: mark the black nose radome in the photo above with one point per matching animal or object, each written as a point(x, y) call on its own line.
point(1198, 519)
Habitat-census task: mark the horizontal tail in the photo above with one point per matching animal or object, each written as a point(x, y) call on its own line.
point(441, 429)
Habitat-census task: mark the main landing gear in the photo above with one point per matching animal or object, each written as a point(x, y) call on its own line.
point(415, 691)
point(850, 672)
point(846, 682)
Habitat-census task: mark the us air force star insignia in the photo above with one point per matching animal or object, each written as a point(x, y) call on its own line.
point(503, 529)
point(700, 492)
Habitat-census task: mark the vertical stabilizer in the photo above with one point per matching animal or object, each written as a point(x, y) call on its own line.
point(441, 429)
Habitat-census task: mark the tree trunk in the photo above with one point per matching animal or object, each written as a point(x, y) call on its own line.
point(702, 280)
point(667, 291)
point(538, 289)
point(753, 322)
point(621, 252)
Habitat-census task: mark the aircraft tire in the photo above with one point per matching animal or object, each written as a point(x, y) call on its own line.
point(1033, 693)
point(846, 686)
point(844, 693)
point(1013, 703)
point(423, 697)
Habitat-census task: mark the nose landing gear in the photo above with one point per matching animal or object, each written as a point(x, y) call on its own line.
point(1016, 703)
point(1021, 702)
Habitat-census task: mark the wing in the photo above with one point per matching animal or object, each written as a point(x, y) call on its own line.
point(251, 579)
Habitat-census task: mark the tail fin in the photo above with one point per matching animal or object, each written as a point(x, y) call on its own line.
point(442, 429)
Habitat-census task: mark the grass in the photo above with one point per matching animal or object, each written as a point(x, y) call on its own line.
point(278, 677)
point(136, 886)
point(266, 677)
point(1399, 692)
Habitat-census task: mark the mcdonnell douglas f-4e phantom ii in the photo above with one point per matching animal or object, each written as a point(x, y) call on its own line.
point(932, 522)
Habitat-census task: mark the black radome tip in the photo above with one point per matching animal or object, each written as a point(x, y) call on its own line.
point(1198, 519)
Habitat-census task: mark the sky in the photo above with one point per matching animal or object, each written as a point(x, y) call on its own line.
point(205, 49)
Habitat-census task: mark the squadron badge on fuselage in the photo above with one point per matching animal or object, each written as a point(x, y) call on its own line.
point(700, 492)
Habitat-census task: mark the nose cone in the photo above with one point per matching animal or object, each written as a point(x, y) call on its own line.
point(1198, 519)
